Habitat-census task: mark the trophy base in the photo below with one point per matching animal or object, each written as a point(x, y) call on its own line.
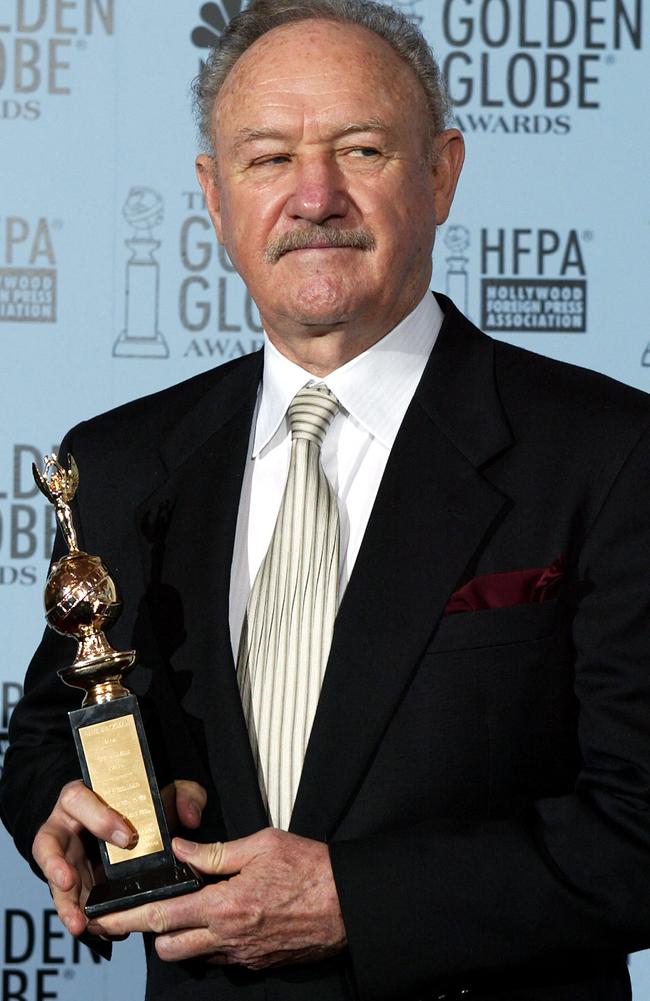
point(128, 346)
point(131, 891)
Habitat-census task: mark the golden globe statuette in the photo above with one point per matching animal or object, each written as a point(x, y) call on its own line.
point(81, 601)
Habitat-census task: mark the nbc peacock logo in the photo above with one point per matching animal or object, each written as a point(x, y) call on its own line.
point(215, 18)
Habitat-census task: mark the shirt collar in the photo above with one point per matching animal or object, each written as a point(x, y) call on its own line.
point(375, 388)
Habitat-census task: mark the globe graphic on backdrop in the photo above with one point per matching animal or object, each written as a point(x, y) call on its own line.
point(457, 239)
point(143, 208)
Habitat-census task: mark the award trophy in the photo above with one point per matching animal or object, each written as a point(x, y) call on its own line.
point(81, 601)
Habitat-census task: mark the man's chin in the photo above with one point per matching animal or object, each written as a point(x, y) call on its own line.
point(320, 320)
point(325, 302)
point(321, 316)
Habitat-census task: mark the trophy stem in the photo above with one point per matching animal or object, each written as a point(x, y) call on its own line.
point(98, 670)
point(96, 650)
point(105, 691)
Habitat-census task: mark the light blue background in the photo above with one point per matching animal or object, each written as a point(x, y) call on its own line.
point(126, 122)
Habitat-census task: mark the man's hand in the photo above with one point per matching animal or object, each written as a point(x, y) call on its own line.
point(279, 906)
point(59, 848)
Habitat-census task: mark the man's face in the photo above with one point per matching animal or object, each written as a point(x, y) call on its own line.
point(324, 193)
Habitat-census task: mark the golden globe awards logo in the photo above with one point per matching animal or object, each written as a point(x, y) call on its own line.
point(39, 959)
point(28, 275)
point(214, 306)
point(525, 66)
point(40, 40)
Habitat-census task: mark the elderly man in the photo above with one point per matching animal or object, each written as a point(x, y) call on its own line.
point(393, 622)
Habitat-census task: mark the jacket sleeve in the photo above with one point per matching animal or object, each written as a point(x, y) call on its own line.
point(567, 875)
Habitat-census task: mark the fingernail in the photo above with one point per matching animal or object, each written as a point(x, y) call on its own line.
point(186, 847)
point(194, 808)
point(123, 840)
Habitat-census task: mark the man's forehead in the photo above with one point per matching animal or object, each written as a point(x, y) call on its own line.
point(301, 66)
point(312, 36)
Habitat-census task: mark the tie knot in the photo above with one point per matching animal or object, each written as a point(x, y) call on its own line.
point(311, 412)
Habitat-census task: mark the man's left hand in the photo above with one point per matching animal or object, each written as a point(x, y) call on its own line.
point(279, 905)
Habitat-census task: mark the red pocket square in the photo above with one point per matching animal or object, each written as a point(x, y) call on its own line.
point(498, 590)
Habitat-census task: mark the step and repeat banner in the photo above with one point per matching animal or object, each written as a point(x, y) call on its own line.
point(112, 284)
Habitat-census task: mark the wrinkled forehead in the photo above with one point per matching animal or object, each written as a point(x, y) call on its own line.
point(316, 64)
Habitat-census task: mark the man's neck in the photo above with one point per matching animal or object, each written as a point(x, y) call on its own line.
point(321, 354)
point(322, 350)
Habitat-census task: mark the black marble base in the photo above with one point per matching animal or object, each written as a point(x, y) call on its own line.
point(131, 891)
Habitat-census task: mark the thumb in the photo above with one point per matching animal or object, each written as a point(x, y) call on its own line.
point(217, 858)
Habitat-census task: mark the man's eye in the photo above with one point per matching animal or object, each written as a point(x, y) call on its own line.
point(270, 161)
point(367, 152)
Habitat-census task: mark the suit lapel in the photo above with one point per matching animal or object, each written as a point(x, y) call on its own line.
point(189, 555)
point(432, 512)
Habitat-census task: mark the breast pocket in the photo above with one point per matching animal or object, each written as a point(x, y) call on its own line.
point(492, 627)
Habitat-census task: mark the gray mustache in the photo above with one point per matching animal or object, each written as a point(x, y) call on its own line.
point(319, 236)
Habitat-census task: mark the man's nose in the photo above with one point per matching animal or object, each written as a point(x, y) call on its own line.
point(319, 193)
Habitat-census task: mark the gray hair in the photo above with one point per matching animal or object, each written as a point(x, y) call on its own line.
point(263, 15)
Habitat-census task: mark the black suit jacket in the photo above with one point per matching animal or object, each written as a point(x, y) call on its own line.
point(483, 778)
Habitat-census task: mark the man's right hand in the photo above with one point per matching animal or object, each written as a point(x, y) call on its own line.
point(59, 848)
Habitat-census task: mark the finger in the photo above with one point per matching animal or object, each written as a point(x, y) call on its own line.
point(190, 802)
point(112, 938)
point(49, 855)
point(208, 858)
point(223, 858)
point(82, 806)
point(160, 916)
point(187, 944)
point(68, 907)
point(69, 904)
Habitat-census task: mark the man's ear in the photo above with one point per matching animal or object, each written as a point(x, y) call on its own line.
point(449, 155)
point(206, 172)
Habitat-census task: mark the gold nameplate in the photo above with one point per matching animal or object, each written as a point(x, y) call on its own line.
point(118, 775)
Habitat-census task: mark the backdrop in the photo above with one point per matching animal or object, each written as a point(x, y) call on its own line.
point(112, 285)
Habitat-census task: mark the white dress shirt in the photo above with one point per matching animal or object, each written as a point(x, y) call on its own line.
point(374, 390)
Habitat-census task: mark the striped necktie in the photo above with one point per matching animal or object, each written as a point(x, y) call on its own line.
point(289, 620)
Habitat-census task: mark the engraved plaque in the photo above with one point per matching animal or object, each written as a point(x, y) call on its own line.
point(118, 774)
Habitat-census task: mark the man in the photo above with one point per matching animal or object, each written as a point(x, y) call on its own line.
point(471, 817)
